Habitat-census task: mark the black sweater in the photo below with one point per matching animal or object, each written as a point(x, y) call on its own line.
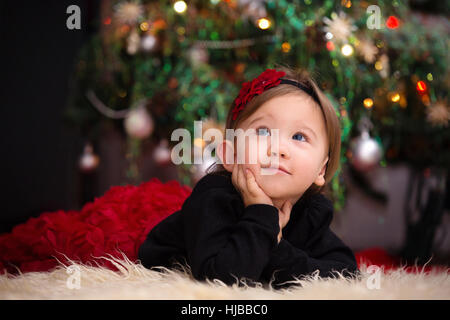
point(221, 239)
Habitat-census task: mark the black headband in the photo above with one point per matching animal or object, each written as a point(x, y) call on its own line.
point(306, 89)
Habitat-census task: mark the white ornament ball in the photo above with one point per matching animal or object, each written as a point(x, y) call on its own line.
point(88, 161)
point(162, 153)
point(198, 56)
point(139, 124)
point(366, 152)
point(199, 170)
point(148, 43)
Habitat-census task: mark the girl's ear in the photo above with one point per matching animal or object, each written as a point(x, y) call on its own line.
point(320, 180)
point(225, 152)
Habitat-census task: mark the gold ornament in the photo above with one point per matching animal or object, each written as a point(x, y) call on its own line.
point(128, 12)
point(438, 115)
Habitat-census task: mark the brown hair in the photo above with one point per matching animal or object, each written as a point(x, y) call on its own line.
point(332, 124)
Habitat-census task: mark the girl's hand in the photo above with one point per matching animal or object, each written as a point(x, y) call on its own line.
point(283, 217)
point(247, 186)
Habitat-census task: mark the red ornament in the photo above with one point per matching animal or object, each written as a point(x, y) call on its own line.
point(268, 79)
point(392, 22)
point(421, 86)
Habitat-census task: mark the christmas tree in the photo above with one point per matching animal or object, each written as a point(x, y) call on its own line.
point(155, 66)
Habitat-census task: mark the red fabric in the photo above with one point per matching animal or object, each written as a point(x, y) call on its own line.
point(379, 257)
point(119, 220)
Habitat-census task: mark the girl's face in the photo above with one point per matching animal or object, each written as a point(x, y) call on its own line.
point(302, 146)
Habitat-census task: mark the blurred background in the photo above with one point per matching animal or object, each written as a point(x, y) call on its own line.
point(92, 91)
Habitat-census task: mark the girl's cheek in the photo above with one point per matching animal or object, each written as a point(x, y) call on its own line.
point(240, 152)
point(257, 151)
point(262, 151)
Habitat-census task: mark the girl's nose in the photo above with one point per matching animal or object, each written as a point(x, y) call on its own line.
point(282, 151)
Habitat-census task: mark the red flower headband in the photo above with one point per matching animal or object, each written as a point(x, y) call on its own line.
point(268, 79)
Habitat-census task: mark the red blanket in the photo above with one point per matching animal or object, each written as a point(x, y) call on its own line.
point(116, 222)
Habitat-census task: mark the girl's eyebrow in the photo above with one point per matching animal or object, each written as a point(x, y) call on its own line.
point(311, 130)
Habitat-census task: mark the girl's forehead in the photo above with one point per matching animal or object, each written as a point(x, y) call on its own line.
point(289, 109)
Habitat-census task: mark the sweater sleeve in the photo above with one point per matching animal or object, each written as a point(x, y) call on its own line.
point(329, 254)
point(323, 252)
point(221, 245)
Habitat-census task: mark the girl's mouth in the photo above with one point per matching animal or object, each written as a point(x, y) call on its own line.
point(274, 170)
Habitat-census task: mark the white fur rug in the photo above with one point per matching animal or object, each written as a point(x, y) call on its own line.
point(133, 281)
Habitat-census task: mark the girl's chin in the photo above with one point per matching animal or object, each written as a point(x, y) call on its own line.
point(273, 190)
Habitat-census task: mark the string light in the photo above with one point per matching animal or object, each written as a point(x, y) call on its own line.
point(347, 50)
point(346, 3)
point(392, 22)
point(421, 86)
point(199, 142)
point(180, 6)
point(368, 103)
point(263, 23)
point(394, 96)
point(286, 47)
point(330, 45)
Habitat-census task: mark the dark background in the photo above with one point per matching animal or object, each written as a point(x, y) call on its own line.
point(38, 150)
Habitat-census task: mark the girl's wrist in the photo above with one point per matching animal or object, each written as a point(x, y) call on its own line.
point(246, 204)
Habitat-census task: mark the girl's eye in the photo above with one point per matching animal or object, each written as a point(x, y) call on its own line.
point(263, 131)
point(299, 135)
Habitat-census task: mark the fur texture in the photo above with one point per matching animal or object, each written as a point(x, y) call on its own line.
point(133, 281)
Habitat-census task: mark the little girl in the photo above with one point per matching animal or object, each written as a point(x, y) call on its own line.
point(239, 223)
